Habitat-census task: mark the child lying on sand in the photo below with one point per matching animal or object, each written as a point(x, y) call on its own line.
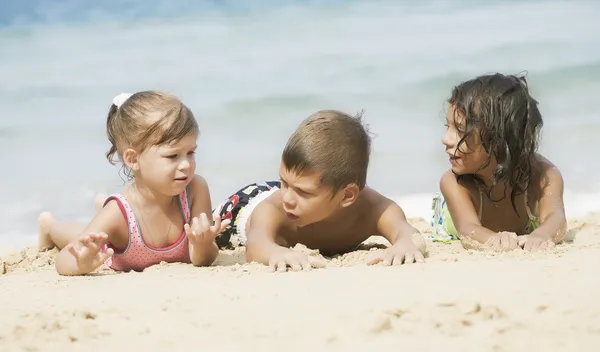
point(499, 193)
point(321, 201)
point(154, 136)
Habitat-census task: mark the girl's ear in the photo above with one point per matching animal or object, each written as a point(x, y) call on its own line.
point(130, 158)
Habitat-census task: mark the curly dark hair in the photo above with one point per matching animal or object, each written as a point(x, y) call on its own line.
point(500, 109)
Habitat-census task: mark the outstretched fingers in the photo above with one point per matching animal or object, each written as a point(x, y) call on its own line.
point(219, 225)
point(72, 250)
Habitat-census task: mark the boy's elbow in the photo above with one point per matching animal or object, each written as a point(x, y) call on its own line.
point(251, 249)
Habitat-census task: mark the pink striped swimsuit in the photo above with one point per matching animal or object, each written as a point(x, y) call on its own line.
point(138, 255)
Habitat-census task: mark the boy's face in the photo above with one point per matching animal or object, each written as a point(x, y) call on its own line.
point(304, 200)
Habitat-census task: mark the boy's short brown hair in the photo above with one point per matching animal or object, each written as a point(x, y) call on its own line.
point(334, 144)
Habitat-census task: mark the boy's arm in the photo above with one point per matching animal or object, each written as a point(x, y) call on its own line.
point(202, 254)
point(262, 230)
point(261, 233)
point(391, 224)
point(109, 220)
point(551, 206)
point(462, 210)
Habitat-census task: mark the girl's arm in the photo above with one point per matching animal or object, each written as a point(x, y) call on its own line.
point(551, 205)
point(202, 253)
point(462, 210)
point(84, 255)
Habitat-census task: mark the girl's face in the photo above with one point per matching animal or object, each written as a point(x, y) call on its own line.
point(168, 168)
point(470, 156)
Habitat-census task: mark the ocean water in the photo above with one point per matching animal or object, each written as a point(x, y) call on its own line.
point(251, 72)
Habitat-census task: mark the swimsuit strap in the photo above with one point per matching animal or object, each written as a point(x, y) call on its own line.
point(130, 216)
point(132, 225)
point(529, 213)
point(184, 202)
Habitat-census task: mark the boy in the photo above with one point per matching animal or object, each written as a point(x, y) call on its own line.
point(321, 201)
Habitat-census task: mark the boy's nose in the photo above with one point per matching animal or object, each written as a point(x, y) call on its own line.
point(288, 199)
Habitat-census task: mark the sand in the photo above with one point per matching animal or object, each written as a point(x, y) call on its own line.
point(458, 300)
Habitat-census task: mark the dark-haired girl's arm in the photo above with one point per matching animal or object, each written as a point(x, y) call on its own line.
point(463, 210)
point(551, 206)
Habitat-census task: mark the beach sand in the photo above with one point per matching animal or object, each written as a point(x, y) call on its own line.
point(459, 300)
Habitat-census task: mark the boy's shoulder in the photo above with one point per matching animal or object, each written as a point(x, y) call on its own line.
point(269, 211)
point(371, 203)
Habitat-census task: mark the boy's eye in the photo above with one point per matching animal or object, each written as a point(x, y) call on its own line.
point(172, 156)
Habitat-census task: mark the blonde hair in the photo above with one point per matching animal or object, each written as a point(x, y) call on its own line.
point(146, 119)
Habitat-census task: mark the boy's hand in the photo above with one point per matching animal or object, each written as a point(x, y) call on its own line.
point(403, 251)
point(296, 260)
point(503, 242)
point(534, 243)
point(88, 251)
point(201, 233)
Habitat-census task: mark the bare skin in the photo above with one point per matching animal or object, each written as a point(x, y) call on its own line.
point(52, 233)
point(81, 244)
point(331, 224)
point(500, 227)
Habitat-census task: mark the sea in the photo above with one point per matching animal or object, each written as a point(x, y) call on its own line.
point(252, 70)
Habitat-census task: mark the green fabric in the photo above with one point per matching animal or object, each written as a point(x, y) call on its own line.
point(443, 227)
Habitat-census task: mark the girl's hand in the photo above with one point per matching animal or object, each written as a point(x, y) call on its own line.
point(503, 242)
point(534, 243)
point(88, 251)
point(201, 233)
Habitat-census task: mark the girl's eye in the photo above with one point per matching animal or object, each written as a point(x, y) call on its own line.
point(172, 156)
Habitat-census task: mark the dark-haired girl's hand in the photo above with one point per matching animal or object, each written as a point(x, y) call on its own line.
point(503, 242)
point(535, 243)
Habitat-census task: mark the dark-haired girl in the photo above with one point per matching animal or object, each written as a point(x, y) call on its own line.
point(499, 192)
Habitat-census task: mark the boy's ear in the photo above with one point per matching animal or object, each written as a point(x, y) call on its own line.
point(349, 195)
point(130, 158)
